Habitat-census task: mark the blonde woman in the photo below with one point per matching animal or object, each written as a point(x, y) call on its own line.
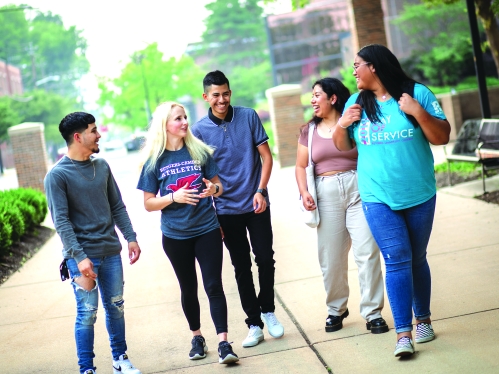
point(180, 167)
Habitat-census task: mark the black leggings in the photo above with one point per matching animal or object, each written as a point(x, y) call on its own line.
point(208, 250)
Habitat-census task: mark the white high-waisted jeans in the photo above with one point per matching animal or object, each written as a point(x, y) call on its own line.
point(343, 225)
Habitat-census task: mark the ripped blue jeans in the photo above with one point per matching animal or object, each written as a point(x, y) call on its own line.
point(402, 237)
point(109, 282)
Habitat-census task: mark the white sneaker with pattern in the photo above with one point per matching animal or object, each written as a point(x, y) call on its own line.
point(404, 347)
point(424, 333)
point(276, 330)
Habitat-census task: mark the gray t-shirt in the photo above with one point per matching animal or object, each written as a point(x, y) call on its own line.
point(85, 210)
point(173, 170)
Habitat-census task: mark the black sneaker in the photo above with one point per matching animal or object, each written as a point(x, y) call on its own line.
point(199, 348)
point(225, 353)
point(335, 323)
point(377, 326)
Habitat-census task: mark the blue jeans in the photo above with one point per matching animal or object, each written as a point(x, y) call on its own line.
point(109, 281)
point(403, 236)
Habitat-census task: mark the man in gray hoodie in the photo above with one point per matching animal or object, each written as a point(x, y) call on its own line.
point(86, 205)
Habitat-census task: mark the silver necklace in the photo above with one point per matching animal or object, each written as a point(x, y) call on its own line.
point(90, 180)
point(329, 128)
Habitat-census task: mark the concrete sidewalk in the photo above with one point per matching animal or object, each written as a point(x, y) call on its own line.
point(37, 310)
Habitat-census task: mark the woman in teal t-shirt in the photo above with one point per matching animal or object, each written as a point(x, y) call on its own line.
point(391, 122)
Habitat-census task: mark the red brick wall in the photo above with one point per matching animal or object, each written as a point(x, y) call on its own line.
point(286, 114)
point(30, 158)
point(367, 23)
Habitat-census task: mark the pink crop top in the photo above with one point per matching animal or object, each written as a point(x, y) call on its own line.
point(326, 156)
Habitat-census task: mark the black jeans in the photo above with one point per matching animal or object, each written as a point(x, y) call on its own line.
point(208, 250)
point(236, 240)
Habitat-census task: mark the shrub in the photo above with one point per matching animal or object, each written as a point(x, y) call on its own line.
point(36, 202)
point(21, 209)
point(5, 230)
point(16, 221)
point(462, 168)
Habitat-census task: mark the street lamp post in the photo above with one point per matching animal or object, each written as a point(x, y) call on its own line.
point(138, 57)
point(477, 52)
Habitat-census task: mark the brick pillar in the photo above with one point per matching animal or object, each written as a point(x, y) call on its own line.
point(30, 156)
point(451, 105)
point(367, 25)
point(286, 114)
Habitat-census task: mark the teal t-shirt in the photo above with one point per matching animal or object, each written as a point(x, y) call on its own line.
point(395, 164)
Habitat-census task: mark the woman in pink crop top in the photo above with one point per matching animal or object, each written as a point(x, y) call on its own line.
point(342, 221)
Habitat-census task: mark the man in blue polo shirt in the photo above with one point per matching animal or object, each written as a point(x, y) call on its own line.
point(243, 155)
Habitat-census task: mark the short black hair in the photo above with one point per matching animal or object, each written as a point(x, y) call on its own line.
point(215, 77)
point(73, 123)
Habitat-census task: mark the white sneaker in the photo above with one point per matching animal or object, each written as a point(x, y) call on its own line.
point(276, 330)
point(124, 366)
point(90, 371)
point(255, 336)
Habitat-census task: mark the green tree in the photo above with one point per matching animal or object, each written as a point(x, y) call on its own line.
point(295, 4)
point(41, 106)
point(38, 106)
point(487, 10)
point(8, 118)
point(60, 52)
point(235, 42)
point(148, 78)
point(14, 35)
point(235, 34)
point(441, 58)
point(248, 84)
point(42, 47)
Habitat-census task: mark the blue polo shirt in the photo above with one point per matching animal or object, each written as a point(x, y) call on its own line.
point(236, 140)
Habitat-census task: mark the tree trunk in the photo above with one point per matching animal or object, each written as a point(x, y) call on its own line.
point(489, 22)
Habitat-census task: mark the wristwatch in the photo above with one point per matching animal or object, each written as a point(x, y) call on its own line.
point(217, 188)
point(263, 191)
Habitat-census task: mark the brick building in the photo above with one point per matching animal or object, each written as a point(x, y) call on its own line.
point(10, 80)
point(319, 38)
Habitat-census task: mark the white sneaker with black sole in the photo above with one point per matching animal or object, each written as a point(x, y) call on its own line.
point(255, 336)
point(276, 330)
point(124, 366)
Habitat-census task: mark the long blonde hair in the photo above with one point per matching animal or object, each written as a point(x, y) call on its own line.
point(157, 137)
